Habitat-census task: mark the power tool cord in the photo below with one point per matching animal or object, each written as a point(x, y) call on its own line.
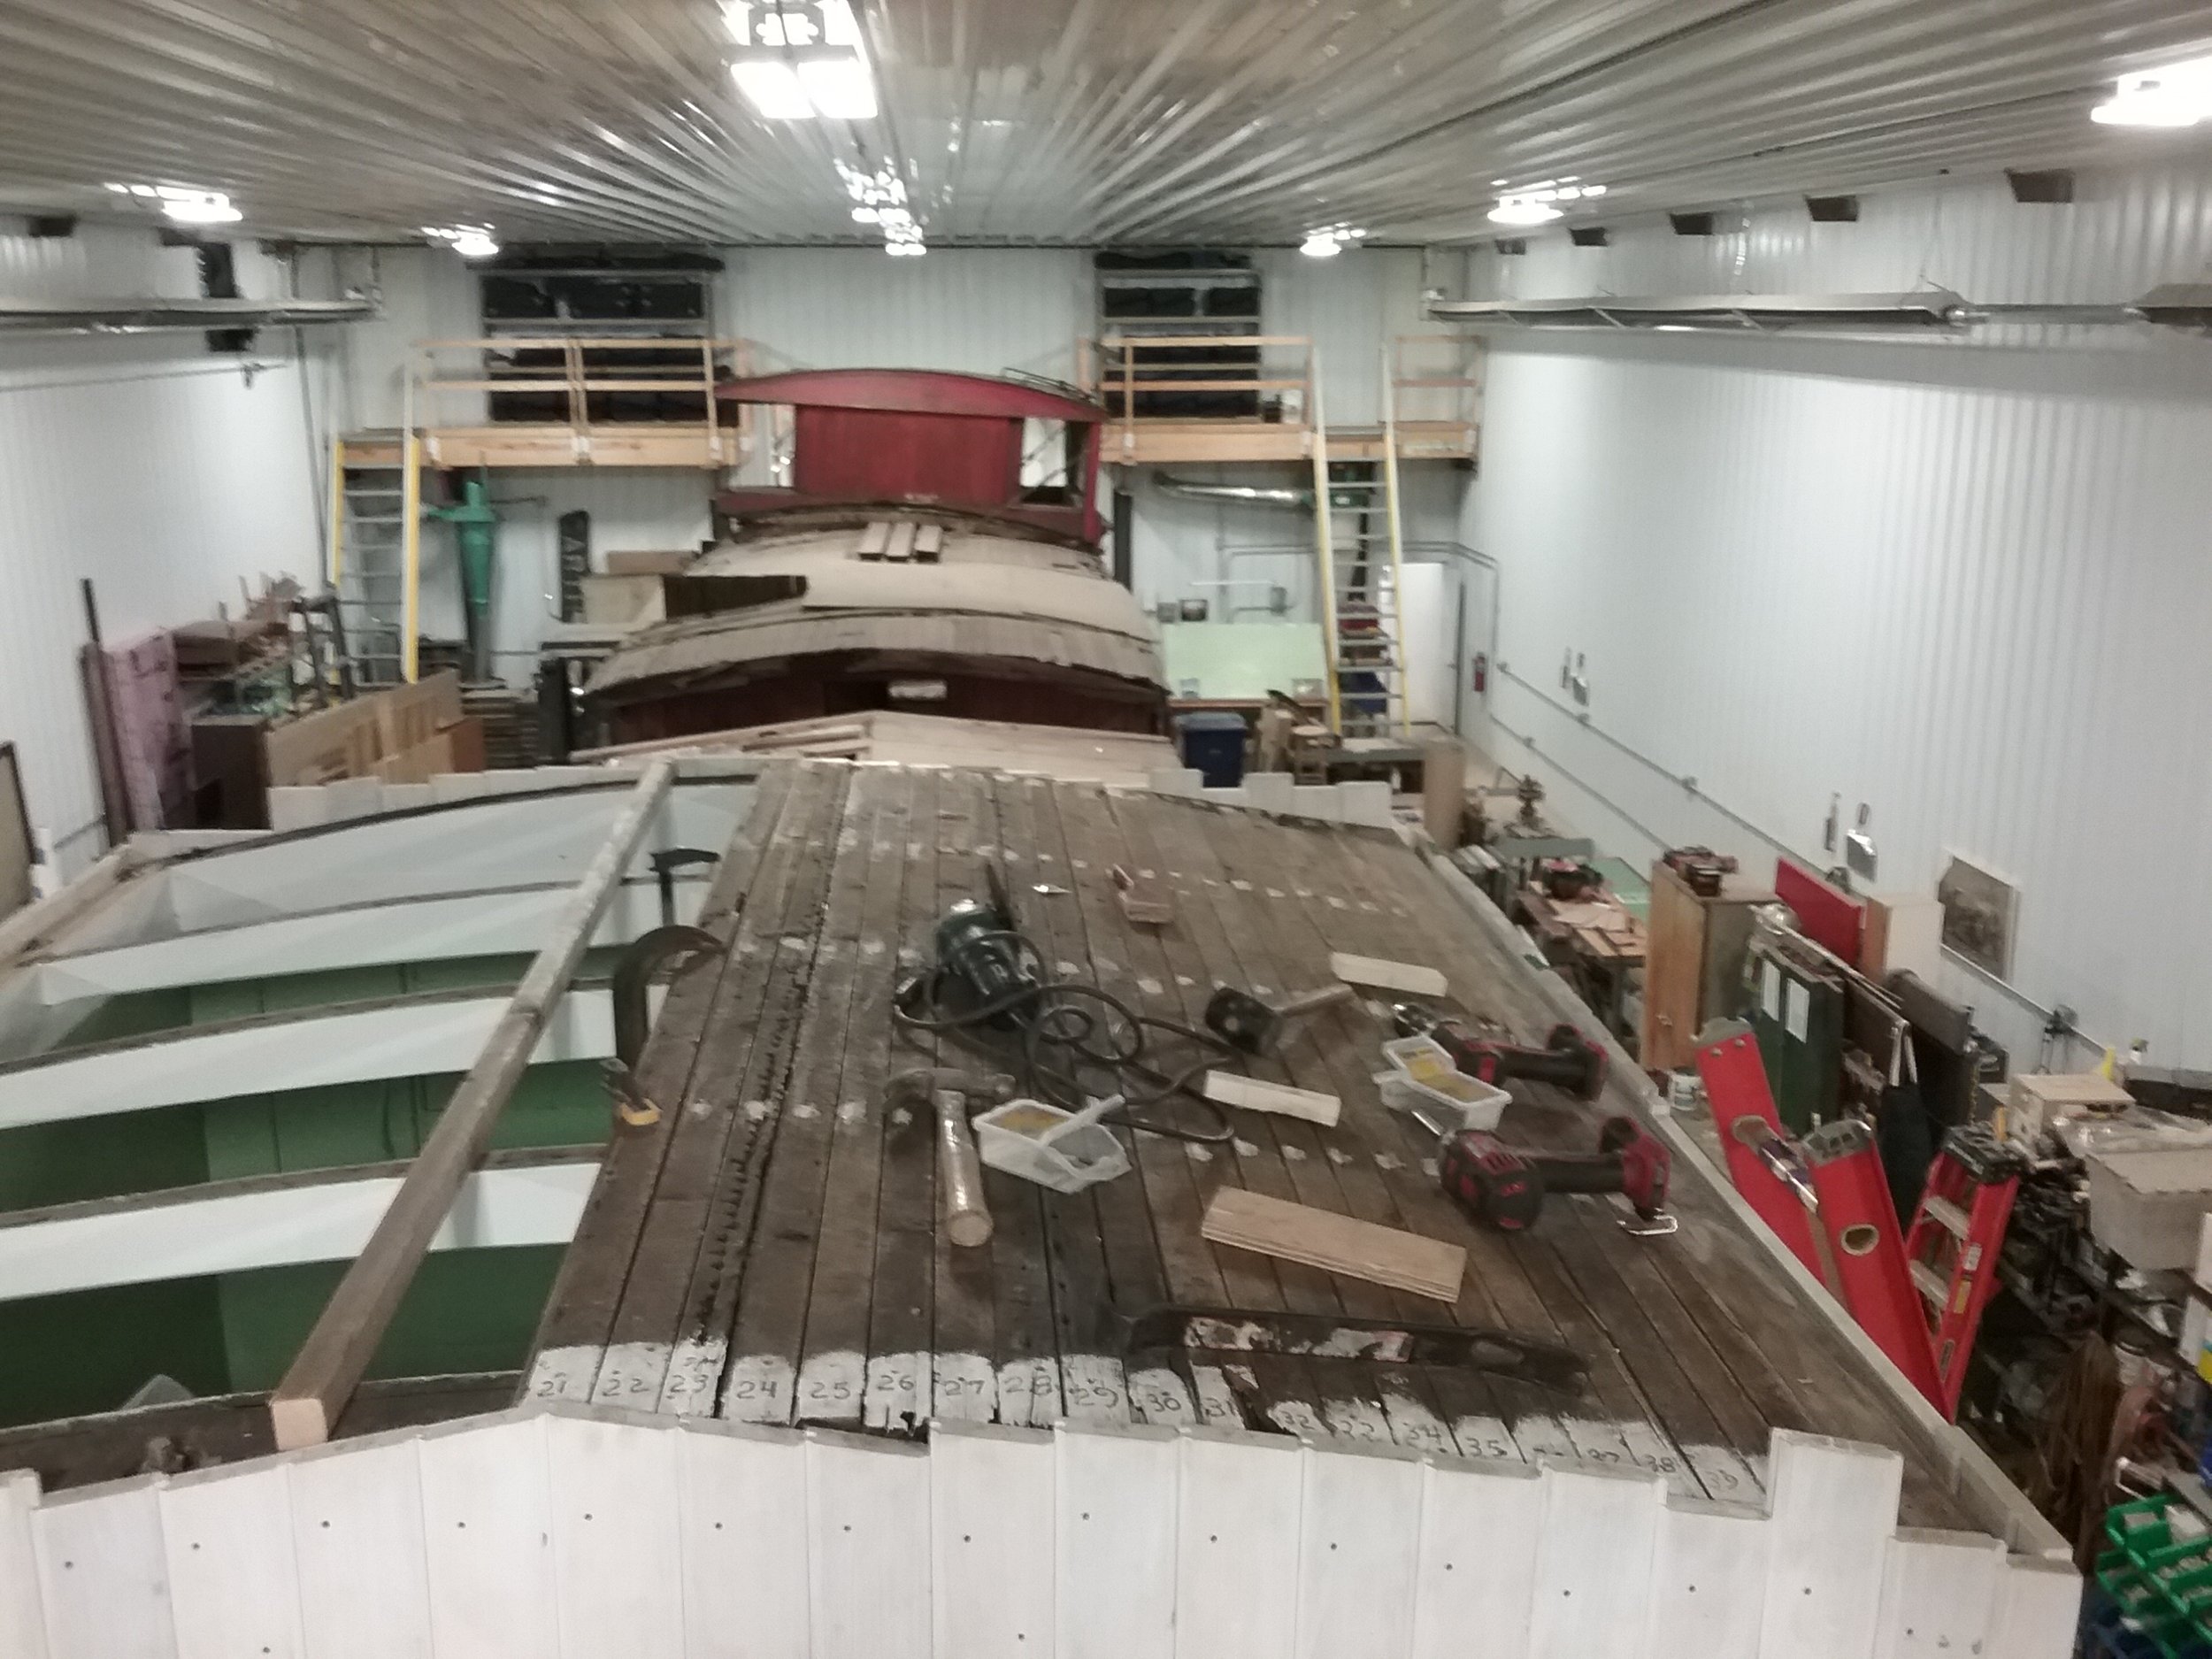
point(1059, 1036)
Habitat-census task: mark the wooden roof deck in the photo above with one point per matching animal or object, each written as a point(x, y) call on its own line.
point(770, 1250)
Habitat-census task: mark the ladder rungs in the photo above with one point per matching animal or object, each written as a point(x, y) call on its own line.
point(1930, 1284)
point(1950, 1217)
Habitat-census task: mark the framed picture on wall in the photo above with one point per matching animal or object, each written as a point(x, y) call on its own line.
point(1980, 911)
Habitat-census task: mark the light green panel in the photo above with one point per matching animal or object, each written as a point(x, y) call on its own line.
point(467, 1311)
point(1240, 661)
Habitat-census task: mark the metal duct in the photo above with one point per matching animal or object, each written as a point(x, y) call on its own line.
point(149, 316)
point(2183, 305)
point(1729, 313)
point(1250, 494)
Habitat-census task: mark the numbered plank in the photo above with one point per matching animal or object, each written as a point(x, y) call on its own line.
point(743, 1507)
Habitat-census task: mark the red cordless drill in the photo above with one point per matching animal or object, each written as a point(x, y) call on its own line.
point(1568, 1058)
point(1503, 1185)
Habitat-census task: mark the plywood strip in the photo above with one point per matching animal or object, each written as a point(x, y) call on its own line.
point(1299, 1232)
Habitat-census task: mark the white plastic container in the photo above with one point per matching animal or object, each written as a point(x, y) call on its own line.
point(1406, 1094)
point(1063, 1150)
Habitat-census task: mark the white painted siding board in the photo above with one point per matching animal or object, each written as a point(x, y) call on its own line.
point(488, 1534)
point(2037, 1605)
point(1114, 1542)
point(1480, 1525)
point(1939, 1593)
point(1358, 1552)
point(869, 1547)
point(1708, 1583)
point(1237, 1556)
point(616, 1538)
point(745, 1531)
point(1833, 1510)
point(22, 1623)
point(357, 1543)
point(233, 1587)
point(1593, 1564)
point(991, 1539)
point(104, 1573)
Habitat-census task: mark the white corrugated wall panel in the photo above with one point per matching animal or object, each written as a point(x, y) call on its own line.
point(162, 473)
point(985, 311)
point(1968, 587)
point(1351, 307)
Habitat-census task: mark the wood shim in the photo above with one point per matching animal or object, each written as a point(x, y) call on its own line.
point(1357, 1250)
point(1390, 976)
point(1233, 1089)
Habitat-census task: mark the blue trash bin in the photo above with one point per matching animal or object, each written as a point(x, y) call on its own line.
point(1213, 744)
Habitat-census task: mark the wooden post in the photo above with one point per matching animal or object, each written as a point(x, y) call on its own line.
point(330, 1362)
point(1443, 792)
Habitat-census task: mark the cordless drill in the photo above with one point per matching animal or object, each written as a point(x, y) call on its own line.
point(1503, 1185)
point(1568, 1058)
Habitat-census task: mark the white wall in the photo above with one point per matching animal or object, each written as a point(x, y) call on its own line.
point(162, 473)
point(1967, 586)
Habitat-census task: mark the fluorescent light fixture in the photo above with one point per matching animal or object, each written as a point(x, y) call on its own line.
point(770, 85)
point(183, 203)
point(879, 199)
point(2179, 94)
point(799, 60)
point(838, 84)
point(471, 241)
point(1522, 211)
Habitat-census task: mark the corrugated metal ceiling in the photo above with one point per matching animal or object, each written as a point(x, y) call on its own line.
point(1067, 121)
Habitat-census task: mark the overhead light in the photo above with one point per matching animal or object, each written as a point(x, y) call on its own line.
point(879, 199)
point(185, 204)
point(1521, 211)
point(770, 85)
point(1321, 245)
point(471, 241)
point(2179, 94)
point(801, 59)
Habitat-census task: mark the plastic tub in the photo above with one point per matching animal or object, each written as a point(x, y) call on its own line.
point(1406, 1094)
point(1063, 1150)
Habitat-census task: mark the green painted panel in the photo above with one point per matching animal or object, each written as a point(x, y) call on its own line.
point(101, 1157)
point(132, 1016)
point(92, 1349)
point(466, 1311)
point(1239, 660)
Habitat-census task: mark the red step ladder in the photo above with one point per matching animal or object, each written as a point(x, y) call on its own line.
point(1951, 1252)
point(1919, 1297)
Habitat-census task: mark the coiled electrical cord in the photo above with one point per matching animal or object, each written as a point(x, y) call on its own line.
point(1077, 1042)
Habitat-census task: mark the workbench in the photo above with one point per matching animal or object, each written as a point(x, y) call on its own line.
point(1594, 942)
point(771, 1251)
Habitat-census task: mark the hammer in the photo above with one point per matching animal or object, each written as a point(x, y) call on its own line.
point(959, 1171)
point(1243, 1021)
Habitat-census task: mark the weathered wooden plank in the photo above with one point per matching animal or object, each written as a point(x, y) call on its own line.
point(868, 1565)
point(488, 1531)
point(617, 1540)
point(233, 1581)
point(991, 1513)
point(1115, 1542)
point(1236, 1588)
point(1709, 1583)
point(1593, 1563)
point(103, 1574)
point(358, 1544)
point(1358, 1552)
point(1834, 1513)
point(1359, 1249)
point(742, 1499)
point(1480, 1528)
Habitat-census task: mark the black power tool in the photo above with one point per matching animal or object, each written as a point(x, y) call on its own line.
point(1504, 1185)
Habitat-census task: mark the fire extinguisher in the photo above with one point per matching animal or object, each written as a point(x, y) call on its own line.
point(1482, 672)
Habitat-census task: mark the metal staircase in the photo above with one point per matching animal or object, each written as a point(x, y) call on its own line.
point(376, 553)
point(1362, 623)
